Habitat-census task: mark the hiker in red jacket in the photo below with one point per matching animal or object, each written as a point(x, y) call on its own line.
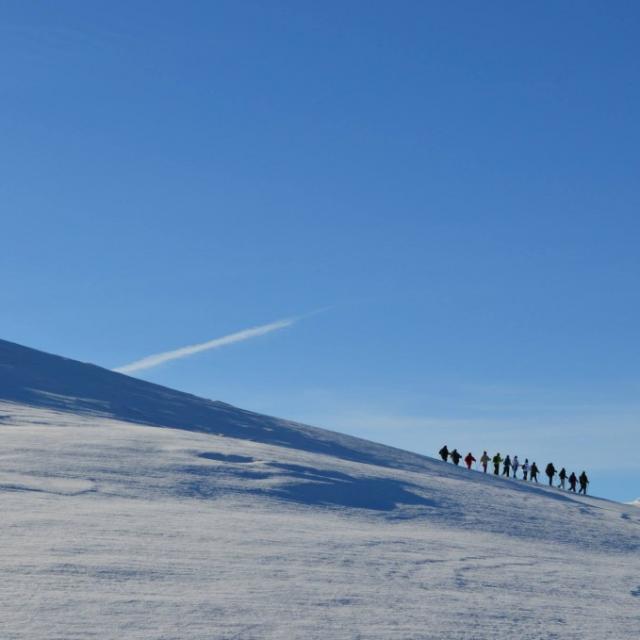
point(469, 460)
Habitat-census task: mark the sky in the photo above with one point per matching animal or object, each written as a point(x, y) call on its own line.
point(415, 222)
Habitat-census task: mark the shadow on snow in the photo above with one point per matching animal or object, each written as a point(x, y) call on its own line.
point(307, 485)
point(322, 487)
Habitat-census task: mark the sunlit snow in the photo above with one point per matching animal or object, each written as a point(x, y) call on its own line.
point(241, 526)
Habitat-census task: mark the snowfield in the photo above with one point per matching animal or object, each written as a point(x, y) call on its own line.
point(116, 529)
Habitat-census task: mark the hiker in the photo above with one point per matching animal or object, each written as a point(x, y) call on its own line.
point(534, 473)
point(507, 466)
point(584, 481)
point(496, 464)
point(469, 460)
point(444, 453)
point(455, 457)
point(485, 461)
point(550, 471)
point(525, 469)
point(572, 482)
point(563, 476)
point(515, 465)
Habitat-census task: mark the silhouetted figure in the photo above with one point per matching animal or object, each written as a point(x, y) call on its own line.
point(496, 464)
point(534, 473)
point(563, 476)
point(484, 461)
point(550, 471)
point(515, 465)
point(525, 469)
point(469, 460)
point(506, 467)
point(572, 482)
point(444, 453)
point(584, 481)
point(455, 457)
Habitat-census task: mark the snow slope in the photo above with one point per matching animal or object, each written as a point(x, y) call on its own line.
point(226, 524)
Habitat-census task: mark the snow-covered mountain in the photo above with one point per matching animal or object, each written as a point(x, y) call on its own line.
point(51, 382)
point(228, 524)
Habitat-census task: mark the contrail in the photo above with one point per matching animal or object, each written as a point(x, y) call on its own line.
point(246, 334)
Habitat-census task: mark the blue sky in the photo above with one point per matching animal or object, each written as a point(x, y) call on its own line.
point(455, 184)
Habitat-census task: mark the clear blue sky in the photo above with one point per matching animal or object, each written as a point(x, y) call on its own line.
point(457, 181)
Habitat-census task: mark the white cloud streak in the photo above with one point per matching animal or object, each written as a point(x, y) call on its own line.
point(160, 358)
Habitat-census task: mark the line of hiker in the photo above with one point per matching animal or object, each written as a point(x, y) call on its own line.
point(513, 465)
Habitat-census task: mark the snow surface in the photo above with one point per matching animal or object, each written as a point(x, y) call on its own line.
point(242, 526)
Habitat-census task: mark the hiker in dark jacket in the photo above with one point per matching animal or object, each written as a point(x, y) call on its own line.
point(534, 473)
point(572, 482)
point(506, 466)
point(563, 476)
point(550, 471)
point(455, 457)
point(469, 460)
point(444, 453)
point(584, 481)
point(497, 459)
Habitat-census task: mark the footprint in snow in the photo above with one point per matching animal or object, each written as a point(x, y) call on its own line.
point(636, 592)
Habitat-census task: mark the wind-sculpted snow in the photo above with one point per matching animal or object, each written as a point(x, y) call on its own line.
point(236, 525)
point(115, 530)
